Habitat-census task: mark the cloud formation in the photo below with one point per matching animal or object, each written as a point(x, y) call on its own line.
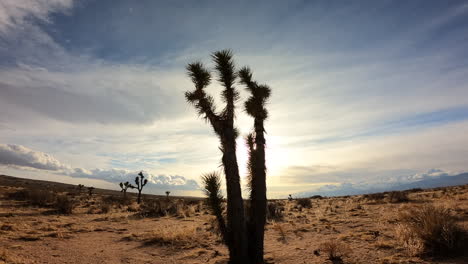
point(23, 157)
point(17, 155)
point(15, 13)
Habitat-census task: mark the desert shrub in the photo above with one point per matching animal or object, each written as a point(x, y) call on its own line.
point(398, 197)
point(175, 236)
point(335, 250)
point(164, 207)
point(34, 197)
point(375, 196)
point(304, 202)
point(275, 211)
point(316, 197)
point(431, 230)
point(64, 204)
point(105, 208)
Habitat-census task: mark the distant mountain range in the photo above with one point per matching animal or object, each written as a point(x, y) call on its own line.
point(349, 189)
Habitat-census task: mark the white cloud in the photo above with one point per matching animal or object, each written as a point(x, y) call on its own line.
point(22, 157)
point(14, 13)
point(16, 155)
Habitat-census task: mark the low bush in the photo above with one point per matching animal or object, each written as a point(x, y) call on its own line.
point(275, 211)
point(64, 204)
point(377, 197)
point(335, 250)
point(304, 202)
point(431, 230)
point(34, 197)
point(398, 197)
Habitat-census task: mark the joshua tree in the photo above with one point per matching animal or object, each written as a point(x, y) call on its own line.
point(255, 107)
point(223, 125)
point(140, 183)
point(290, 197)
point(90, 190)
point(124, 187)
point(212, 185)
point(80, 187)
point(167, 194)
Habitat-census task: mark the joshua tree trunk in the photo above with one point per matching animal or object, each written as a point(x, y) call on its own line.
point(255, 107)
point(258, 197)
point(237, 230)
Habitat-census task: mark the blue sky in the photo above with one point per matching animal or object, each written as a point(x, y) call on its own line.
point(363, 91)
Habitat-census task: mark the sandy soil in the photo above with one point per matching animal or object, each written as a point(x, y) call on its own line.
point(364, 228)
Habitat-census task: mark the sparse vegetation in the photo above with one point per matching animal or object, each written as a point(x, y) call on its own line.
point(275, 211)
point(398, 197)
point(431, 230)
point(124, 187)
point(335, 250)
point(304, 202)
point(140, 182)
point(64, 204)
point(185, 228)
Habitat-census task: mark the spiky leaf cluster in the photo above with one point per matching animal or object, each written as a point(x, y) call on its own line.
point(212, 187)
point(255, 104)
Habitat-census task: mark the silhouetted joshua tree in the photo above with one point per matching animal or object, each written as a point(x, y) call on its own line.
point(167, 194)
point(244, 240)
point(125, 187)
point(90, 190)
point(140, 183)
point(255, 107)
point(80, 188)
point(212, 186)
point(223, 125)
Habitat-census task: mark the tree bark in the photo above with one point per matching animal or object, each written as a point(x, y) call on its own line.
point(258, 205)
point(237, 230)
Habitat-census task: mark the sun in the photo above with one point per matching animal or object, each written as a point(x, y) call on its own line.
point(276, 156)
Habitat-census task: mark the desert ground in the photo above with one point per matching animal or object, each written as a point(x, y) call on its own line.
point(45, 222)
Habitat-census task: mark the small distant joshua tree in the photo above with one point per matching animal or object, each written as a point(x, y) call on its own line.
point(90, 190)
point(140, 182)
point(80, 188)
point(167, 194)
point(125, 187)
point(290, 197)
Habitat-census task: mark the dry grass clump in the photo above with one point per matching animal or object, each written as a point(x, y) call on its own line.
point(181, 237)
point(64, 205)
point(398, 197)
point(431, 230)
point(304, 202)
point(275, 211)
point(335, 250)
point(281, 229)
point(376, 197)
point(165, 207)
point(34, 197)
